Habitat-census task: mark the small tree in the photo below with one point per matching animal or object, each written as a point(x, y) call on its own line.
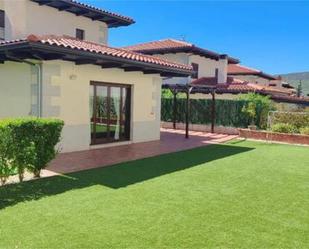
point(299, 89)
point(257, 108)
point(250, 111)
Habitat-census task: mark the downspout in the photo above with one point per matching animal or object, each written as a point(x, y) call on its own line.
point(38, 67)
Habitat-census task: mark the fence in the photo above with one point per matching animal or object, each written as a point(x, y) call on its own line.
point(228, 112)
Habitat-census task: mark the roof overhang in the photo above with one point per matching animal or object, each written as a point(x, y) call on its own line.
point(19, 51)
point(261, 74)
point(189, 49)
point(111, 19)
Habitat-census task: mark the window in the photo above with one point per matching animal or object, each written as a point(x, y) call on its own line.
point(2, 24)
point(80, 34)
point(195, 71)
point(217, 74)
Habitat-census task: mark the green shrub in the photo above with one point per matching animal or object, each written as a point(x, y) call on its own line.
point(284, 128)
point(28, 143)
point(297, 119)
point(304, 130)
point(257, 108)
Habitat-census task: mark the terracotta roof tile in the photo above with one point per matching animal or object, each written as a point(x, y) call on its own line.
point(236, 69)
point(172, 45)
point(72, 43)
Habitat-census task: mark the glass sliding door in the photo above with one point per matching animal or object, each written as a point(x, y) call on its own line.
point(110, 110)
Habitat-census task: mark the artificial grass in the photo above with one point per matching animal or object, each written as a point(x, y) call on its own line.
point(240, 195)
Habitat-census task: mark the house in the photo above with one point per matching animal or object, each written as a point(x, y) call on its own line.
point(205, 63)
point(55, 62)
point(214, 70)
point(250, 75)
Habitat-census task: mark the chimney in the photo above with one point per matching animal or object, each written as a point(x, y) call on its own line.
point(222, 74)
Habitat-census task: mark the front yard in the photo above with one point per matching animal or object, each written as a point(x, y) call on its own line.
point(239, 195)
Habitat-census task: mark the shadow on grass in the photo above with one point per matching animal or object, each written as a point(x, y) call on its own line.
point(116, 176)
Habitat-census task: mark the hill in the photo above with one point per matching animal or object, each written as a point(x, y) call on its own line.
point(294, 78)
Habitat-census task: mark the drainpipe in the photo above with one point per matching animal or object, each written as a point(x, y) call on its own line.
point(38, 67)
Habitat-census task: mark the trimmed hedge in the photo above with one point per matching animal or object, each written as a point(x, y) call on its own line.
point(228, 112)
point(27, 144)
point(285, 128)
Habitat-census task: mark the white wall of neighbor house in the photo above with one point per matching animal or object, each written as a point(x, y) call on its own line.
point(207, 67)
point(18, 95)
point(181, 58)
point(42, 20)
point(66, 96)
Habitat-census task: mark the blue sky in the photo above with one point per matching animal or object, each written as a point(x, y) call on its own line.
point(269, 35)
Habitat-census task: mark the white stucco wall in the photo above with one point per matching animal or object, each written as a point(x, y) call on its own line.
point(42, 20)
point(181, 58)
point(17, 90)
point(65, 93)
point(207, 67)
point(66, 96)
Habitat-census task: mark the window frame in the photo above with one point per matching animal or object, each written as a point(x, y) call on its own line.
point(2, 19)
point(195, 67)
point(80, 32)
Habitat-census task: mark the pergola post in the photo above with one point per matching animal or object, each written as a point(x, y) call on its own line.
point(187, 111)
point(213, 111)
point(174, 108)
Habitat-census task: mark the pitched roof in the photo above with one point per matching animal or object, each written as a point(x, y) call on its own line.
point(234, 85)
point(88, 11)
point(69, 44)
point(236, 69)
point(173, 46)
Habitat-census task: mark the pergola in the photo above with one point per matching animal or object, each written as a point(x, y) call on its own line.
point(214, 89)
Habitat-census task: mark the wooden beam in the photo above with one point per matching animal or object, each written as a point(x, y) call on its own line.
point(45, 2)
point(84, 61)
point(110, 65)
point(131, 69)
point(187, 111)
point(82, 12)
point(64, 8)
point(213, 111)
point(150, 72)
point(174, 109)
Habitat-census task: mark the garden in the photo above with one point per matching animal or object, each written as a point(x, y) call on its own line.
point(235, 195)
point(251, 113)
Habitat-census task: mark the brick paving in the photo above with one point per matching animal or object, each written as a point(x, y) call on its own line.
point(171, 141)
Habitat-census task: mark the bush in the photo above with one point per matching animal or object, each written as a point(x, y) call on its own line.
point(297, 119)
point(257, 108)
point(304, 130)
point(284, 128)
point(28, 143)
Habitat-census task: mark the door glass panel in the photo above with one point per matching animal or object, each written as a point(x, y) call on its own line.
point(101, 113)
point(115, 113)
point(91, 108)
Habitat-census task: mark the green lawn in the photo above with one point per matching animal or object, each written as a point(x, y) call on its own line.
point(240, 195)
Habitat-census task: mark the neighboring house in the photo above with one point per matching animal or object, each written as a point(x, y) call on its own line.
point(205, 63)
point(55, 62)
point(213, 70)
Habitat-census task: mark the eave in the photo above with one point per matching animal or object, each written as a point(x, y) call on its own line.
point(111, 19)
point(44, 52)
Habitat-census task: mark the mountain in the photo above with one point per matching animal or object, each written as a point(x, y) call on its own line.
point(294, 78)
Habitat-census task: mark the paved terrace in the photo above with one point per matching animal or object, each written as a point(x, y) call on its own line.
point(171, 141)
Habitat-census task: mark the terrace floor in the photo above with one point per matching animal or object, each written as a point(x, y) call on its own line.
point(171, 141)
